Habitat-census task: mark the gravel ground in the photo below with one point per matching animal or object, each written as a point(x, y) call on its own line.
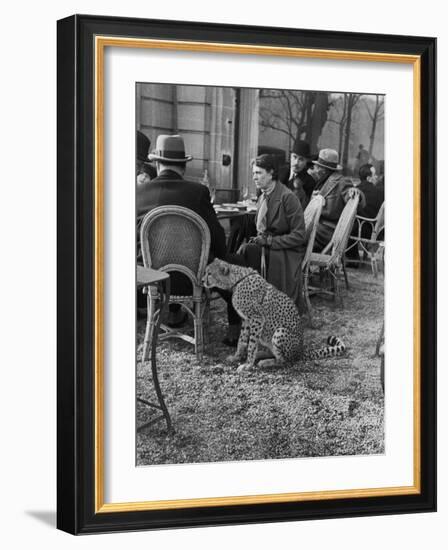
point(324, 407)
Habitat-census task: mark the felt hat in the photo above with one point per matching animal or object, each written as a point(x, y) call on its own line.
point(170, 149)
point(328, 158)
point(301, 148)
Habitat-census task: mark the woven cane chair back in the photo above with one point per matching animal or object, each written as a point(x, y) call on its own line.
point(379, 224)
point(338, 243)
point(312, 216)
point(314, 208)
point(368, 238)
point(174, 238)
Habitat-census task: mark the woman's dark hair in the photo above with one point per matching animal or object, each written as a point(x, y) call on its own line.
point(268, 162)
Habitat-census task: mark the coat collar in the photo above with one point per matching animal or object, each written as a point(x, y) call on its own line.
point(330, 183)
point(274, 199)
point(169, 175)
point(302, 175)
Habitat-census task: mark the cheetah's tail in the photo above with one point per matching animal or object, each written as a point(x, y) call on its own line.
point(335, 347)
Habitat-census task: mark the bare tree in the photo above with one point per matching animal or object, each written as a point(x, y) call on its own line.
point(318, 118)
point(343, 114)
point(338, 115)
point(352, 100)
point(376, 113)
point(300, 115)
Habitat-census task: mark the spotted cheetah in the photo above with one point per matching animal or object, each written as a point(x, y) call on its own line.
point(268, 316)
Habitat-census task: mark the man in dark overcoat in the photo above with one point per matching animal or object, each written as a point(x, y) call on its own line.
point(295, 175)
point(373, 197)
point(373, 193)
point(336, 190)
point(171, 188)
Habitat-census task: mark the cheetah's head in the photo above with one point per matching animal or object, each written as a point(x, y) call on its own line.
point(220, 274)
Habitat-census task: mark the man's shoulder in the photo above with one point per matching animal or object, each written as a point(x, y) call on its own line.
point(283, 190)
point(337, 176)
point(185, 182)
point(308, 178)
point(343, 182)
point(195, 185)
point(365, 186)
point(286, 195)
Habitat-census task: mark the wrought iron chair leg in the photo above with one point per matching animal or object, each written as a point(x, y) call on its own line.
point(380, 340)
point(306, 293)
point(155, 377)
point(149, 327)
point(206, 320)
point(337, 288)
point(198, 331)
point(374, 267)
point(345, 275)
point(152, 330)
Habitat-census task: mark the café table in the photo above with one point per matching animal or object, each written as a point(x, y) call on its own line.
point(147, 277)
point(242, 226)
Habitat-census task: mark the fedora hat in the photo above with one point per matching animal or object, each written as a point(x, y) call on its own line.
point(328, 158)
point(170, 149)
point(143, 145)
point(301, 148)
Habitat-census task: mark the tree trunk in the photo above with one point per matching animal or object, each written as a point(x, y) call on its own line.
point(319, 119)
point(372, 136)
point(342, 125)
point(374, 123)
point(350, 103)
point(309, 102)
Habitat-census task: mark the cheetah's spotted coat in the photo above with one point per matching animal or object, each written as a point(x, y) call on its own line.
point(268, 317)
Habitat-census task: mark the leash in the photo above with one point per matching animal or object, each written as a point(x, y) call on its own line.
point(242, 279)
point(263, 262)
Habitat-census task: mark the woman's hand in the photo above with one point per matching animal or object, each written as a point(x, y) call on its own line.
point(262, 240)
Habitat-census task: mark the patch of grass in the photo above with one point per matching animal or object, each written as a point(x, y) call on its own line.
point(326, 407)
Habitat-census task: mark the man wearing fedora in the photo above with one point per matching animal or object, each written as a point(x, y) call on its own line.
point(295, 176)
point(171, 188)
point(336, 190)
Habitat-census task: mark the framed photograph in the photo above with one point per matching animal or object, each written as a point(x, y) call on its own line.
point(226, 283)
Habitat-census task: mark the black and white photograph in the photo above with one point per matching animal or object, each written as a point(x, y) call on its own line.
point(260, 258)
point(180, 391)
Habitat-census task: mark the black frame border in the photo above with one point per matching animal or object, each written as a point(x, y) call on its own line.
point(76, 263)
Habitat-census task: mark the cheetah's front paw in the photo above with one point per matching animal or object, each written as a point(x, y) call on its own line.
point(270, 363)
point(235, 358)
point(245, 367)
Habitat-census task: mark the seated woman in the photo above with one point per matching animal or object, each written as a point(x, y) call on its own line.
point(280, 231)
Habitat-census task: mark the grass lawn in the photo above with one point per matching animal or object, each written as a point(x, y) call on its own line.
point(325, 407)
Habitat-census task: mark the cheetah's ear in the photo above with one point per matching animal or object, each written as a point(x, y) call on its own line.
point(225, 269)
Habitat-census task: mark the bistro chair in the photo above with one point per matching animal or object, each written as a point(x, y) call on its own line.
point(369, 239)
point(331, 261)
point(176, 239)
point(312, 216)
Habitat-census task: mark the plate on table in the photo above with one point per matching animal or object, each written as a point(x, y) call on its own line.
point(233, 205)
point(222, 208)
